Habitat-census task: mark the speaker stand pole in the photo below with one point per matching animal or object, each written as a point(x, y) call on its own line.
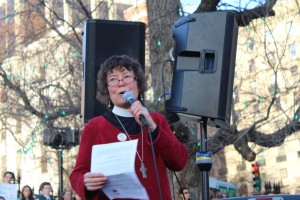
point(204, 159)
point(60, 167)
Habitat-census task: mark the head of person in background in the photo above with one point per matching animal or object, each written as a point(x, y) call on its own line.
point(219, 194)
point(27, 193)
point(45, 191)
point(9, 177)
point(67, 194)
point(184, 193)
point(2, 198)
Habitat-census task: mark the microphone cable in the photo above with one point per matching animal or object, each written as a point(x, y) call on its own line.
point(155, 165)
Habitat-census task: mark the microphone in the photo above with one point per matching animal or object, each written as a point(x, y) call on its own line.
point(129, 98)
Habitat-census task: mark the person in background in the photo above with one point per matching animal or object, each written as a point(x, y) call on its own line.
point(9, 177)
point(121, 122)
point(2, 198)
point(67, 194)
point(184, 193)
point(45, 191)
point(26, 194)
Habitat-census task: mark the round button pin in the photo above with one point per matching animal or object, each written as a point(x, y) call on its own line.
point(122, 137)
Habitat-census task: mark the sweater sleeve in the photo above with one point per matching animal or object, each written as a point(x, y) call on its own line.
point(83, 163)
point(171, 150)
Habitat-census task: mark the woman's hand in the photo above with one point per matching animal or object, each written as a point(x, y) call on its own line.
point(138, 109)
point(94, 181)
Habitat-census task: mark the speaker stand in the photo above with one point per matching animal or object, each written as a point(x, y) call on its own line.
point(204, 159)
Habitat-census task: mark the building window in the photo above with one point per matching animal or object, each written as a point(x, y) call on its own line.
point(271, 55)
point(253, 86)
point(251, 65)
point(281, 158)
point(261, 161)
point(289, 27)
point(269, 37)
point(283, 173)
point(250, 45)
point(281, 150)
point(294, 70)
point(293, 51)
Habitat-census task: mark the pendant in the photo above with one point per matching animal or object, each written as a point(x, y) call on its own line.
point(143, 169)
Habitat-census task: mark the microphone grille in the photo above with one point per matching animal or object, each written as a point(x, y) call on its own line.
point(127, 95)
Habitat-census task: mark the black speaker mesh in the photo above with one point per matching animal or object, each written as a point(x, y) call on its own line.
point(102, 39)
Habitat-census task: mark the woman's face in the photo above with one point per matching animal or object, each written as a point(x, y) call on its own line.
point(26, 192)
point(116, 92)
point(67, 195)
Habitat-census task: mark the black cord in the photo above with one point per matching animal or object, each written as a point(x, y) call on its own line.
point(180, 188)
point(155, 165)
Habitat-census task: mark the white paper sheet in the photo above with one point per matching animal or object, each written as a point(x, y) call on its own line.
point(8, 191)
point(116, 161)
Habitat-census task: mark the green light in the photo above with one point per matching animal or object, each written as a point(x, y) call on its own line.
point(260, 99)
point(296, 116)
point(248, 27)
point(63, 112)
point(246, 104)
point(8, 77)
point(60, 59)
point(6, 18)
point(193, 132)
point(198, 144)
point(23, 4)
point(158, 43)
point(264, 21)
point(276, 90)
point(152, 96)
point(47, 66)
point(75, 53)
point(46, 116)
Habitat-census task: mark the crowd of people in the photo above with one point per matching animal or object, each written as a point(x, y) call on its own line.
point(45, 191)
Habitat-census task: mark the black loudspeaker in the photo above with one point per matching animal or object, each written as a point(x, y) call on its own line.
point(102, 39)
point(59, 138)
point(204, 67)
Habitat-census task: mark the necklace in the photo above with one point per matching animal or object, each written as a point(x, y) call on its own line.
point(143, 169)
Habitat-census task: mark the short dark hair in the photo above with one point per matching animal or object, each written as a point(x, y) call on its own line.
point(119, 61)
point(43, 185)
point(11, 173)
point(182, 189)
point(2, 198)
point(66, 190)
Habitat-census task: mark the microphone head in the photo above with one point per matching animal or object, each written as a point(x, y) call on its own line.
point(128, 97)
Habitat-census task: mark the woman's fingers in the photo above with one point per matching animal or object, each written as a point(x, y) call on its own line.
point(94, 181)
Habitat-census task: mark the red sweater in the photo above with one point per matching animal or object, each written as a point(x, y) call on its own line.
point(169, 152)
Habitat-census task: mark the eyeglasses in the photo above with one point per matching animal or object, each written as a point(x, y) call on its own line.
point(125, 79)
